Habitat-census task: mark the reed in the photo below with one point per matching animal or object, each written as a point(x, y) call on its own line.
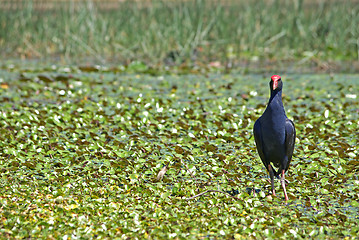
point(154, 31)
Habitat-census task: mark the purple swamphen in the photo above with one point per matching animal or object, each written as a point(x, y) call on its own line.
point(274, 134)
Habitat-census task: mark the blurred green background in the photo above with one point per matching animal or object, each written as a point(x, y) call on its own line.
point(321, 35)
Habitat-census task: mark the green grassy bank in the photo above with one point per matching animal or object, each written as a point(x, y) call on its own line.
point(181, 31)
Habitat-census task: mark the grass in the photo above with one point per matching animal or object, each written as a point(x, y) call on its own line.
point(81, 151)
point(204, 31)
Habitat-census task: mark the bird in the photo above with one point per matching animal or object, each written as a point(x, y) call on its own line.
point(275, 135)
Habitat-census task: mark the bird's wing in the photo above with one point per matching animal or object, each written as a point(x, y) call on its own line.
point(257, 130)
point(289, 140)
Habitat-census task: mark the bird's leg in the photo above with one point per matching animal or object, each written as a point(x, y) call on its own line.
point(282, 181)
point(271, 174)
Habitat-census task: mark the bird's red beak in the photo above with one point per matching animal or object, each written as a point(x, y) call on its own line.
point(275, 79)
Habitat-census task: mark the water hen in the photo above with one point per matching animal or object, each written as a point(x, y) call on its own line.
point(275, 134)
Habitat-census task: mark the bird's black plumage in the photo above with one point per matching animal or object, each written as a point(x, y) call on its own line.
point(275, 135)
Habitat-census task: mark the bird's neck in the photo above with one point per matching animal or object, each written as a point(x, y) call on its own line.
point(275, 102)
point(275, 94)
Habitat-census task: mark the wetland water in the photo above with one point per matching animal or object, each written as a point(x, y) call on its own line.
point(82, 149)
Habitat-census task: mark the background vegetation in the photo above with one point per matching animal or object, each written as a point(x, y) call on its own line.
point(180, 31)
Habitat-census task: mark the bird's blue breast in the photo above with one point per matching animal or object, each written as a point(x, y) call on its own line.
point(273, 132)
